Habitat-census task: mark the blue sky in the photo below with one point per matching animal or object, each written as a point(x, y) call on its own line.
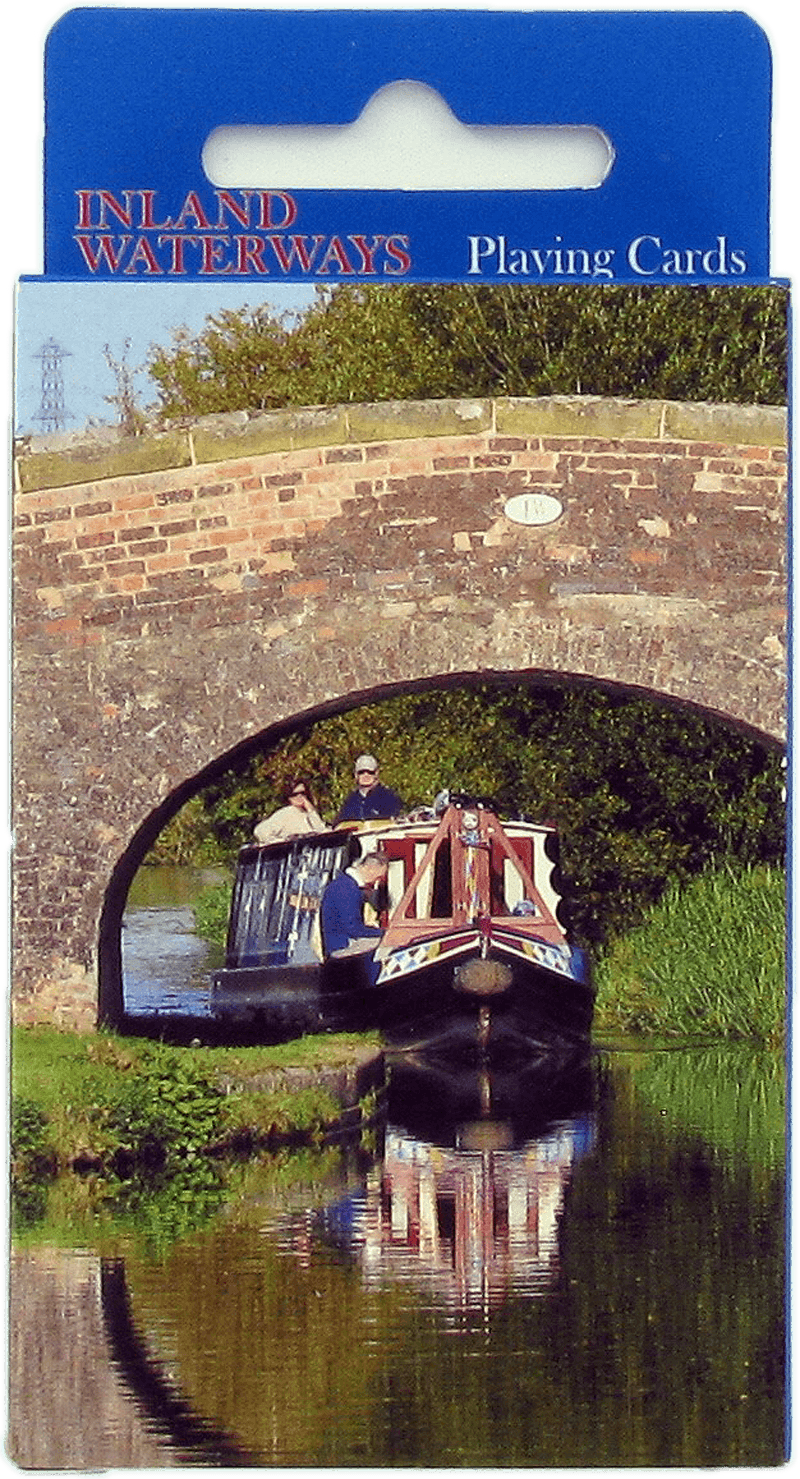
point(84, 316)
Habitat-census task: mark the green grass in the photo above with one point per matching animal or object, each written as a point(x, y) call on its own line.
point(98, 1094)
point(708, 964)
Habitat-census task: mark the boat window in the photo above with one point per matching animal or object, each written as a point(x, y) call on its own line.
point(442, 901)
point(425, 886)
point(396, 882)
point(513, 889)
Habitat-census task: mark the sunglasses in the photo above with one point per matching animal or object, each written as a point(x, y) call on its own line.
point(300, 792)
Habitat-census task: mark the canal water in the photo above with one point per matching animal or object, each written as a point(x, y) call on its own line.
point(585, 1270)
point(166, 965)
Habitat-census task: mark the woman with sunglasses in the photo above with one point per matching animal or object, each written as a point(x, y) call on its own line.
point(297, 817)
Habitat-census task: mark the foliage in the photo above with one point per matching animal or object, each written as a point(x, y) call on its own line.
point(211, 910)
point(33, 1162)
point(414, 341)
point(29, 1138)
point(641, 791)
point(239, 360)
point(708, 962)
point(163, 1205)
point(188, 837)
point(166, 1111)
point(260, 1116)
point(140, 1118)
point(128, 1101)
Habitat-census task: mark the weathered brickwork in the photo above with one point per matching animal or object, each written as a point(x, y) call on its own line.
point(164, 617)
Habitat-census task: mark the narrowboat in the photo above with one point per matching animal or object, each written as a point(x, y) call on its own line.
point(473, 960)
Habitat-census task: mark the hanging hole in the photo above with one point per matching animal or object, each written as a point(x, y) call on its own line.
point(407, 138)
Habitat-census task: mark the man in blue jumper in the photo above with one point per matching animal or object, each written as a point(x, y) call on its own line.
point(370, 801)
point(342, 908)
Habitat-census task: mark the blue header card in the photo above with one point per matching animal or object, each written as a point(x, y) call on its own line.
point(133, 97)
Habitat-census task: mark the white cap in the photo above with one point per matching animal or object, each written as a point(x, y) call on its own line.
point(365, 762)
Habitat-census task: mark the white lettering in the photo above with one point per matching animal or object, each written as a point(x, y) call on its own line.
point(634, 260)
point(493, 255)
point(480, 247)
point(648, 257)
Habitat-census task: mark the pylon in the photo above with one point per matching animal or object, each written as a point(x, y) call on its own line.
point(51, 412)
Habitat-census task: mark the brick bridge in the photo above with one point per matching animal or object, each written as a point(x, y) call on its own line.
point(182, 594)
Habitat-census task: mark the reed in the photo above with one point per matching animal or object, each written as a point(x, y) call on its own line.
point(708, 963)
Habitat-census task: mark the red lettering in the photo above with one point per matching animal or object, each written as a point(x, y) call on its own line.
point(367, 252)
point(226, 202)
point(336, 254)
point(397, 250)
point(106, 202)
point(143, 252)
point(106, 251)
point(192, 208)
point(148, 223)
point(251, 254)
point(177, 266)
point(267, 220)
point(110, 202)
point(84, 221)
point(214, 256)
point(298, 250)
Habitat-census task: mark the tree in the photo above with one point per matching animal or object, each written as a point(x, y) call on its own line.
point(642, 792)
point(242, 360)
point(130, 416)
point(417, 341)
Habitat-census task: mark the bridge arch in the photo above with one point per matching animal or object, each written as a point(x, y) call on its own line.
point(110, 974)
point(178, 599)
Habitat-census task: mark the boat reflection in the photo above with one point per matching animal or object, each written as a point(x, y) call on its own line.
point(474, 1214)
point(232, 1343)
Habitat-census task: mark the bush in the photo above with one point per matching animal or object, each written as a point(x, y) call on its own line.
point(211, 909)
point(33, 1162)
point(167, 1112)
point(32, 1155)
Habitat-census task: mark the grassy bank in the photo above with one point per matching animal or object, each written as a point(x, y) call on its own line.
point(111, 1104)
point(708, 963)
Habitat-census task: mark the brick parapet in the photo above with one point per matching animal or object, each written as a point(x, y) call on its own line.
point(62, 460)
point(100, 561)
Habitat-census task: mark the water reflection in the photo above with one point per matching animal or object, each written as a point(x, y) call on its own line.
point(469, 1225)
point(468, 1218)
point(598, 1286)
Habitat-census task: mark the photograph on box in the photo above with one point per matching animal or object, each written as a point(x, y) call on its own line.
point(398, 982)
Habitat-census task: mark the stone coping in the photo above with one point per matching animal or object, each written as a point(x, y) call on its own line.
point(90, 456)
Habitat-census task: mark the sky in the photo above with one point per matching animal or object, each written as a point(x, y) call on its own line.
point(84, 317)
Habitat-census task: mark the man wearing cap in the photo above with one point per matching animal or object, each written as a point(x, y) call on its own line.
point(370, 802)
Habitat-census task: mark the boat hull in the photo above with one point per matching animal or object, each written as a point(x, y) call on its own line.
point(470, 1003)
point(489, 1004)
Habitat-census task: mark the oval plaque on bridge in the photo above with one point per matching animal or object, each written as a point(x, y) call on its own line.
point(533, 508)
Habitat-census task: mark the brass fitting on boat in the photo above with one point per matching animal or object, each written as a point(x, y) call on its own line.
point(482, 977)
